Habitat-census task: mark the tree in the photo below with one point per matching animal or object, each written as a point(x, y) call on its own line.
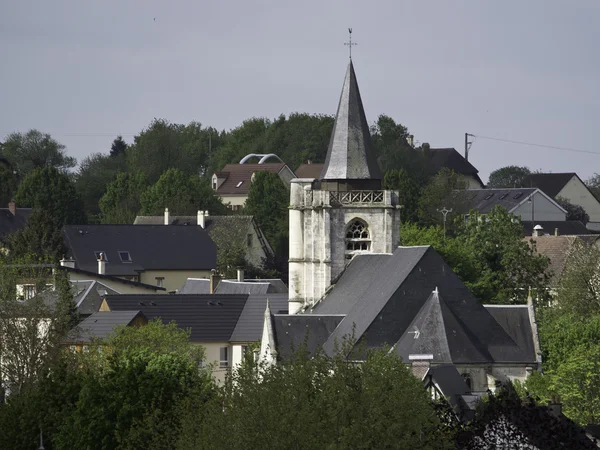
point(508, 177)
point(444, 190)
point(317, 402)
point(268, 201)
point(122, 200)
point(574, 212)
point(42, 237)
point(593, 184)
point(8, 184)
point(95, 173)
point(508, 265)
point(408, 192)
point(118, 147)
point(33, 150)
point(182, 194)
point(53, 192)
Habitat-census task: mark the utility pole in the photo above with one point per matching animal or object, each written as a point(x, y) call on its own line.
point(444, 212)
point(467, 145)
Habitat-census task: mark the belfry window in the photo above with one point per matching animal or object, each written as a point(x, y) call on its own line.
point(357, 236)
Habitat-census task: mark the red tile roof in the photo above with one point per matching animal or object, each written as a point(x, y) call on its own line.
point(238, 176)
point(309, 171)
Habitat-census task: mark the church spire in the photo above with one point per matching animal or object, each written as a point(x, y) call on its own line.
point(350, 156)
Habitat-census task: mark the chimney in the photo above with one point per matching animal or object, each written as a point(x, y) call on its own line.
point(537, 231)
point(556, 232)
point(215, 279)
point(167, 216)
point(12, 207)
point(411, 140)
point(70, 262)
point(309, 162)
point(240, 275)
point(201, 219)
point(101, 265)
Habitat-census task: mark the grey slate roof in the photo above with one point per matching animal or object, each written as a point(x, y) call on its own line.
point(395, 297)
point(350, 155)
point(550, 183)
point(292, 331)
point(195, 286)
point(514, 319)
point(311, 170)
point(100, 324)
point(250, 325)
point(152, 247)
point(88, 295)
point(449, 158)
point(483, 200)
point(10, 223)
point(565, 227)
point(256, 287)
point(209, 317)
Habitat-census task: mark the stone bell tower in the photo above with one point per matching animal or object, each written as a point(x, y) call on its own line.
point(344, 212)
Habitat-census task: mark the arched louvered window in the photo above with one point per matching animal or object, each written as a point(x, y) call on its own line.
point(358, 237)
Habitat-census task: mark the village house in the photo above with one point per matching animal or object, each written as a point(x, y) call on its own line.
point(148, 254)
point(449, 158)
point(12, 219)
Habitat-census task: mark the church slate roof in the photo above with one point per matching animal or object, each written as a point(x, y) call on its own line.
point(350, 155)
point(514, 319)
point(395, 296)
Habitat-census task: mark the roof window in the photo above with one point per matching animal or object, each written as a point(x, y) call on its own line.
point(518, 195)
point(503, 196)
point(125, 256)
point(489, 196)
point(239, 184)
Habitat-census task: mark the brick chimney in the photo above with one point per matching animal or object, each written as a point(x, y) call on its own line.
point(215, 279)
point(12, 207)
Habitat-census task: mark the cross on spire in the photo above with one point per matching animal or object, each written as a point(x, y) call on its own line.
point(350, 43)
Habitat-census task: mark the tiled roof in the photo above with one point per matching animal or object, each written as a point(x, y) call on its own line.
point(88, 295)
point(239, 176)
point(209, 317)
point(195, 286)
point(309, 170)
point(151, 247)
point(550, 183)
point(556, 249)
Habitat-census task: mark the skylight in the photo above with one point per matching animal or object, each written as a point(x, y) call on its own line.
point(519, 195)
point(125, 256)
point(239, 184)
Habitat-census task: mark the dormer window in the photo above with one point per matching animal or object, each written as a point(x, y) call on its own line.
point(125, 256)
point(214, 183)
point(98, 253)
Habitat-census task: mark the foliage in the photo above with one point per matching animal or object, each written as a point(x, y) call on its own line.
point(182, 194)
point(8, 184)
point(268, 201)
point(507, 265)
point(42, 237)
point(118, 147)
point(121, 202)
point(593, 184)
point(317, 402)
point(53, 192)
point(33, 150)
point(444, 190)
point(508, 177)
point(408, 192)
point(95, 173)
point(574, 212)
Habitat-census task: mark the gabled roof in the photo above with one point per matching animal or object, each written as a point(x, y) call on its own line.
point(88, 295)
point(515, 320)
point(249, 327)
point(151, 247)
point(10, 223)
point(556, 249)
point(101, 324)
point(255, 287)
point(393, 295)
point(195, 286)
point(150, 287)
point(350, 155)
point(449, 158)
point(550, 183)
point(209, 317)
point(484, 200)
point(565, 227)
point(309, 170)
point(238, 177)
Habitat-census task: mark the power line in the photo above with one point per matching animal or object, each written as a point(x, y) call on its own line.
point(510, 141)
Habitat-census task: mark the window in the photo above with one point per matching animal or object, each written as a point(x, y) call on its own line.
point(159, 281)
point(519, 195)
point(357, 236)
point(125, 256)
point(467, 379)
point(25, 291)
point(239, 184)
point(214, 183)
point(249, 240)
point(100, 252)
point(224, 361)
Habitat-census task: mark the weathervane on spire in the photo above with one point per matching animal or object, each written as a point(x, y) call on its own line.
point(350, 43)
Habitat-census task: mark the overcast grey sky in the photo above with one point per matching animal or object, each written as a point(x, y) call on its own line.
point(513, 69)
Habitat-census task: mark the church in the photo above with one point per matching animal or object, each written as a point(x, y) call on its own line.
point(350, 278)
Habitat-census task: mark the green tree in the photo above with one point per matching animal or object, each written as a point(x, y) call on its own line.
point(444, 190)
point(122, 200)
point(53, 192)
point(118, 147)
point(42, 237)
point(507, 264)
point(508, 177)
point(574, 212)
point(95, 173)
point(33, 150)
point(182, 194)
point(593, 184)
point(268, 201)
point(8, 184)
point(318, 402)
point(408, 192)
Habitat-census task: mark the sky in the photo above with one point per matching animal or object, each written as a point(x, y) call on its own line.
point(525, 71)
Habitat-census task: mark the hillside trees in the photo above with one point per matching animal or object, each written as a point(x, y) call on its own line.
point(41, 237)
point(8, 185)
point(33, 150)
point(118, 147)
point(122, 200)
point(508, 177)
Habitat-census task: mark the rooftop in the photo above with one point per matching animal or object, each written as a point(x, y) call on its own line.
point(238, 177)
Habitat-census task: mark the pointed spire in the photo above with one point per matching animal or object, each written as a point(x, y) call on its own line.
point(350, 155)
